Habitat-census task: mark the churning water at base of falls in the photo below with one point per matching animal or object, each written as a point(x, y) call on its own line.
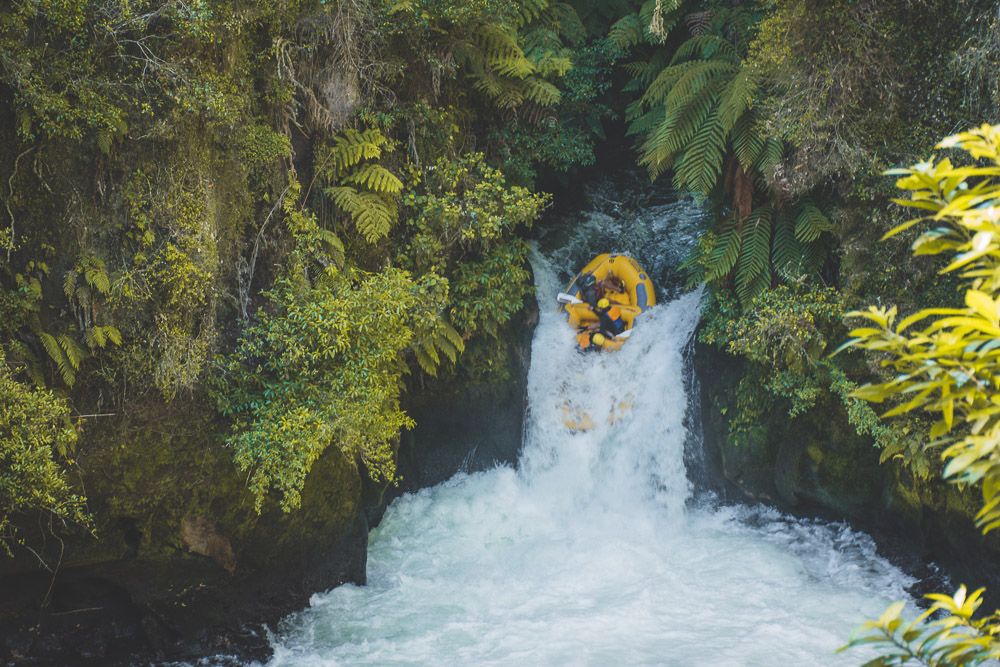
point(594, 550)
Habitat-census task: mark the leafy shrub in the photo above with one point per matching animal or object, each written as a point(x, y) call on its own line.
point(34, 427)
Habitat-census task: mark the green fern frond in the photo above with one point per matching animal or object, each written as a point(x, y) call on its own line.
point(373, 215)
point(646, 122)
point(666, 81)
point(785, 252)
point(113, 334)
point(452, 335)
point(425, 361)
point(376, 178)
point(376, 217)
point(552, 63)
point(644, 72)
point(747, 141)
point(726, 251)
point(539, 41)
point(69, 284)
point(74, 353)
point(501, 51)
point(104, 141)
point(699, 167)
point(567, 22)
point(770, 155)
point(97, 277)
point(705, 47)
point(810, 223)
point(351, 147)
point(755, 253)
point(737, 99)
point(94, 337)
point(541, 92)
point(528, 10)
point(32, 365)
point(488, 84)
point(627, 32)
point(55, 352)
point(812, 257)
point(673, 134)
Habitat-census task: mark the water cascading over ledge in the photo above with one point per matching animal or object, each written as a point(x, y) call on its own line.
point(591, 551)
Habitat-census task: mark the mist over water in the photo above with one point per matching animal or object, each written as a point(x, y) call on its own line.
point(597, 549)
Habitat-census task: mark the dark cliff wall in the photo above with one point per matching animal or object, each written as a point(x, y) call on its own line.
point(815, 464)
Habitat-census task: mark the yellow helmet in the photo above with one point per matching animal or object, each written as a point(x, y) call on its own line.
point(603, 303)
point(599, 339)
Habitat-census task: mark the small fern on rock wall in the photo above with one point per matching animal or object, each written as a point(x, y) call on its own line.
point(360, 187)
point(517, 63)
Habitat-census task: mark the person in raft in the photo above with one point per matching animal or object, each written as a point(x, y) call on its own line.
point(609, 318)
point(590, 291)
point(591, 341)
point(611, 284)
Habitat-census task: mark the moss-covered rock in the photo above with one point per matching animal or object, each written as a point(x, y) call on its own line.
point(815, 464)
point(182, 561)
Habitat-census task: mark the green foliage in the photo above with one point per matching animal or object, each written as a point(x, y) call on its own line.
point(462, 219)
point(697, 115)
point(321, 367)
point(34, 429)
point(365, 190)
point(945, 362)
point(784, 334)
point(952, 638)
point(767, 240)
point(949, 365)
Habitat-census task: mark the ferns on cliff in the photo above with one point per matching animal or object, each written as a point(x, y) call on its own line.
point(365, 190)
point(696, 117)
point(772, 240)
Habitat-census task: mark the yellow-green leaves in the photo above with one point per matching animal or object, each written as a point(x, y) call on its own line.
point(947, 362)
point(322, 367)
point(34, 425)
point(953, 638)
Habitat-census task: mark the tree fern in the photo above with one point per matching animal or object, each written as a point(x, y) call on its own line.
point(627, 31)
point(706, 47)
point(753, 269)
point(699, 167)
point(372, 213)
point(376, 178)
point(747, 141)
point(695, 115)
point(723, 257)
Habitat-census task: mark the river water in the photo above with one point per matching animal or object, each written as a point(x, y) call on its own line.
point(600, 547)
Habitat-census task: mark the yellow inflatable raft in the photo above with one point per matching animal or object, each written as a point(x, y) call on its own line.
point(625, 284)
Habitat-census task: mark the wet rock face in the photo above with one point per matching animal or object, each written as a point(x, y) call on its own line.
point(203, 536)
point(207, 587)
point(472, 430)
point(817, 465)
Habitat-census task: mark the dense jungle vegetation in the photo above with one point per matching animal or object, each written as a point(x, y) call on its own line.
point(238, 235)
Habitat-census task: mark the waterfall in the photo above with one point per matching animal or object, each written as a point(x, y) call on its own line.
point(591, 551)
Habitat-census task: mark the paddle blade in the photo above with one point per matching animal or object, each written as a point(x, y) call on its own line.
point(562, 297)
point(624, 334)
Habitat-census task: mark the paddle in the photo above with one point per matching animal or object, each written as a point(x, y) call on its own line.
point(562, 297)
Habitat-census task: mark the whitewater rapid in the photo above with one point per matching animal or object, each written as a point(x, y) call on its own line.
point(596, 549)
